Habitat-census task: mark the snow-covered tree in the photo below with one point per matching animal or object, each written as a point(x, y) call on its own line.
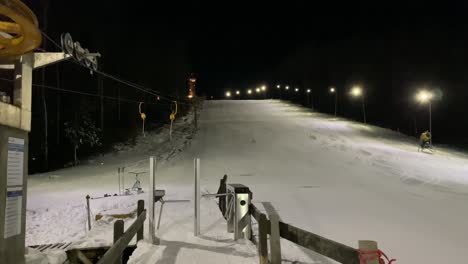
point(82, 131)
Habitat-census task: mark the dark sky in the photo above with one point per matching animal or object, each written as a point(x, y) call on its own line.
point(390, 48)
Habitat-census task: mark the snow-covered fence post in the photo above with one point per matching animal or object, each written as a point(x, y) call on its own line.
point(89, 211)
point(196, 165)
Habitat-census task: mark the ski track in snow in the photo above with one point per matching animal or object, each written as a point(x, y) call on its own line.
point(340, 179)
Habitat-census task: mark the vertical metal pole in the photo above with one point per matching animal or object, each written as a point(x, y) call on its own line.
point(101, 93)
point(430, 121)
point(123, 179)
point(151, 201)
point(195, 113)
point(89, 212)
point(160, 213)
point(118, 103)
point(196, 164)
point(118, 176)
point(364, 109)
point(311, 99)
point(336, 101)
point(170, 132)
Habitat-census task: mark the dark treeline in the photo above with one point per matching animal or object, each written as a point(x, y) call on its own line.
point(159, 65)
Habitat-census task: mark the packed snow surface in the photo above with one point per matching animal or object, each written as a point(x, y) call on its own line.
point(340, 179)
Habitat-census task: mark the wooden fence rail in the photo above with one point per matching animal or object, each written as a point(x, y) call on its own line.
point(323, 246)
point(121, 239)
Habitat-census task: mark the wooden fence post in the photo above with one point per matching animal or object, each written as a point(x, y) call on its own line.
point(275, 240)
point(140, 209)
point(262, 239)
point(369, 246)
point(118, 232)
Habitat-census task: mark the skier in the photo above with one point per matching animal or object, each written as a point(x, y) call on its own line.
point(424, 140)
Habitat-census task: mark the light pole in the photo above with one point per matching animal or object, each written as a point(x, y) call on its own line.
point(308, 96)
point(357, 92)
point(335, 92)
point(425, 96)
point(279, 89)
point(263, 89)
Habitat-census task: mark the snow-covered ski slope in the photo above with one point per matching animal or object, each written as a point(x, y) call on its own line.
point(340, 179)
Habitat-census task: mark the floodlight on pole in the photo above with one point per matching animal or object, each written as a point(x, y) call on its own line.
point(425, 96)
point(333, 91)
point(356, 91)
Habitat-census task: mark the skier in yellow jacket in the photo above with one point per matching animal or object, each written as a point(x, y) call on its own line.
point(425, 140)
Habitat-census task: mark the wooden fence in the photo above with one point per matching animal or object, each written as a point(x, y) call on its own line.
point(121, 238)
point(321, 245)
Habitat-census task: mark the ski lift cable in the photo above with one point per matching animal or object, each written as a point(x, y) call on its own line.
point(91, 94)
point(134, 85)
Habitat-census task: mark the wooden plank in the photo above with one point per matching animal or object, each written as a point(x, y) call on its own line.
point(141, 208)
point(275, 240)
point(319, 244)
point(262, 239)
point(254, 212)
point(119, 246)
point(83, 258)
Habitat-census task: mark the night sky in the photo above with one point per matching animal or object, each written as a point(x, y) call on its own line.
point(392, 50)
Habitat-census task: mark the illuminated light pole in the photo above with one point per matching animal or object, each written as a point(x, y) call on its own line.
point(356, 91)
point(308, 96)
point(249, 91)
point(264, 89)
point(279, 88)
point(424, 97)
point(228, 94)
point(335, 92)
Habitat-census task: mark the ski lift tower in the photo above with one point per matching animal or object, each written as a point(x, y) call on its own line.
point(19, 37)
